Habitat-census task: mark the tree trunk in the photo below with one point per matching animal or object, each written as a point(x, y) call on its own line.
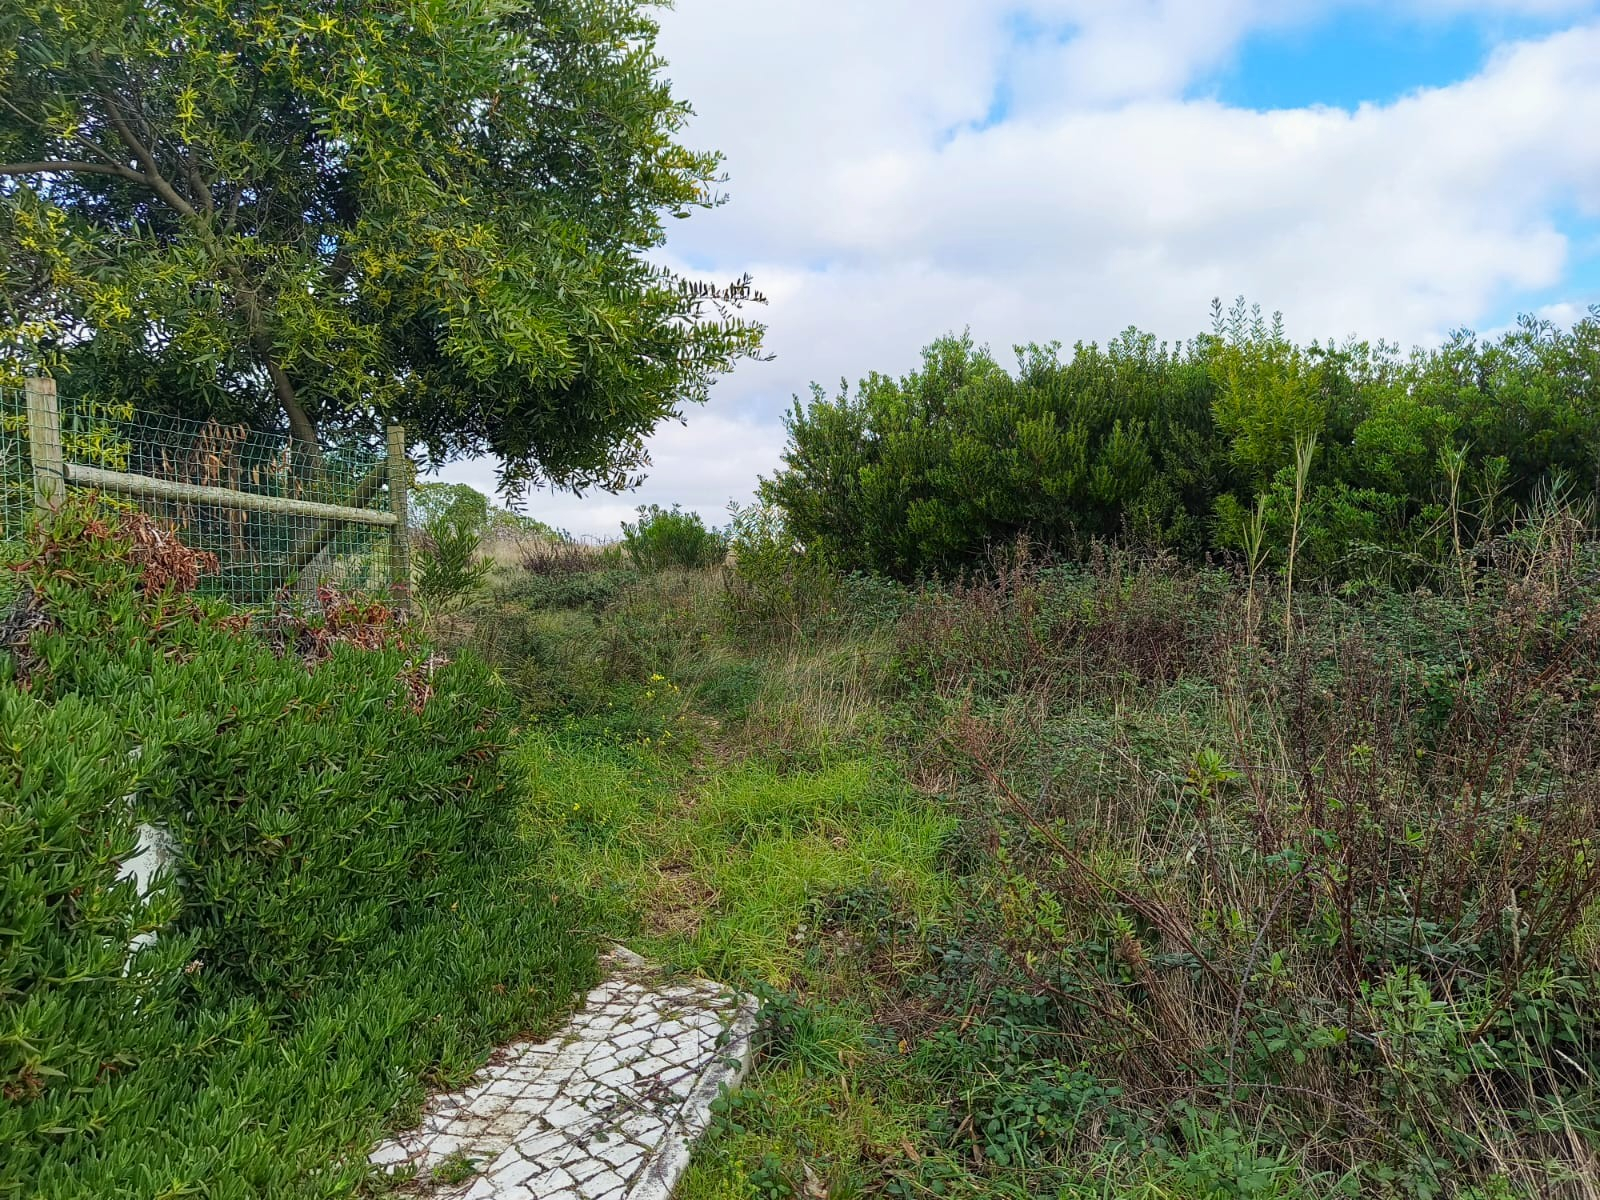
point(302, 429)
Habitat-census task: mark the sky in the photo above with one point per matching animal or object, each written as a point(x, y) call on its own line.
point(1058, 170)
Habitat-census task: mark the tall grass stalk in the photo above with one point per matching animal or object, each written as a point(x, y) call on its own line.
point(1453, 461)
point(1254, 535)
point(1305, 449)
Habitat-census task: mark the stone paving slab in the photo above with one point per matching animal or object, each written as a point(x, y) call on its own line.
point(606, 1109)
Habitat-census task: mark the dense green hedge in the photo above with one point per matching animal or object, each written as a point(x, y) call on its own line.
point(354, 916)
point(1178, 446)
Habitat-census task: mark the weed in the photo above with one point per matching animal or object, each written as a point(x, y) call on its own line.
point(454, 1168)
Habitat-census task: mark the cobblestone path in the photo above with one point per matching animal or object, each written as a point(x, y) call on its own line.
point(607, 1109)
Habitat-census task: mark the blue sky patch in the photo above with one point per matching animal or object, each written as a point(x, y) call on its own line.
point(1357, 55)
point(1580, 282)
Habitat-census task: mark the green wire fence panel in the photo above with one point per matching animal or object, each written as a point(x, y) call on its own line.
point(16, 469)
point(276, 516)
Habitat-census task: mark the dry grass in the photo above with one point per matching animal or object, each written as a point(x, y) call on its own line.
point(817, 699)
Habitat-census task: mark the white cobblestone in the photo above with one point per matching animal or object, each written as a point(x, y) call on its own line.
point(541, 1146)
point(513, 1173)
point(622, 1155)
point(606, 1109)
point(555, 1180)
point(390, 1152)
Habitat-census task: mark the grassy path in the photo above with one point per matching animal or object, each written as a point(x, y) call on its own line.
point(726, 867)
point(713, 866)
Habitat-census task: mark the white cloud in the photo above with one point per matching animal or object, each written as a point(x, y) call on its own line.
point(701, 465)
point(878, 208)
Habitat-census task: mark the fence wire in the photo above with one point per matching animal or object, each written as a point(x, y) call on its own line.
point(260, 553)
point(16, 487)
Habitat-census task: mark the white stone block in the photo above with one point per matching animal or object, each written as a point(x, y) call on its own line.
point(553, 1180)
point(388, 1154)
point(442, 1145)
point(513, 1173)
point(617, 1076)
point(541, 1147)
point(584, 1168)
point(623, 1156)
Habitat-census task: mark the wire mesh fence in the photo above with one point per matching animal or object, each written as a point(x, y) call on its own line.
point(16, 471)
point(16, 487)
point(255, 499)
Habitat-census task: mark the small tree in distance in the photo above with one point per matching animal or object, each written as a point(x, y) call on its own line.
point(670, 537)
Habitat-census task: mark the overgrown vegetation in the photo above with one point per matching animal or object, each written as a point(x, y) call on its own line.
point(1112, 877)
point(1169, 772)
point(1241, 847)
point(352, 917)
point(1194, 448)
point(453, 521)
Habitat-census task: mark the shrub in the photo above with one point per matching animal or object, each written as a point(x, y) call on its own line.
point(352, 915)
point(590, 589)
point(664, 537)
point(1421, 459)
point(774, 585)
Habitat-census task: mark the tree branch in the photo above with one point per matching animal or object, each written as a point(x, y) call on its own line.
point(65, 165)
point(152, 172)
point(301, 427)
point(197, 181)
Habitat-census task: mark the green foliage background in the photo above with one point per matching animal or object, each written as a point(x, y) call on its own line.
point(1174, 446)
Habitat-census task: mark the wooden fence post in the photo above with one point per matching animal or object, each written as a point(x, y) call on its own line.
point(44, 445)
point(400, 531)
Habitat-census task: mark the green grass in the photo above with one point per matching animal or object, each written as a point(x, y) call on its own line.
point(768, 844)
point(756, 1130)
point(716, 873)
point(708, 825)
point(718, 867)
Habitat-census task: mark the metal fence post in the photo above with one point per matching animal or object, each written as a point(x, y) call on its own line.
point(44, 445)
point(400, 531)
